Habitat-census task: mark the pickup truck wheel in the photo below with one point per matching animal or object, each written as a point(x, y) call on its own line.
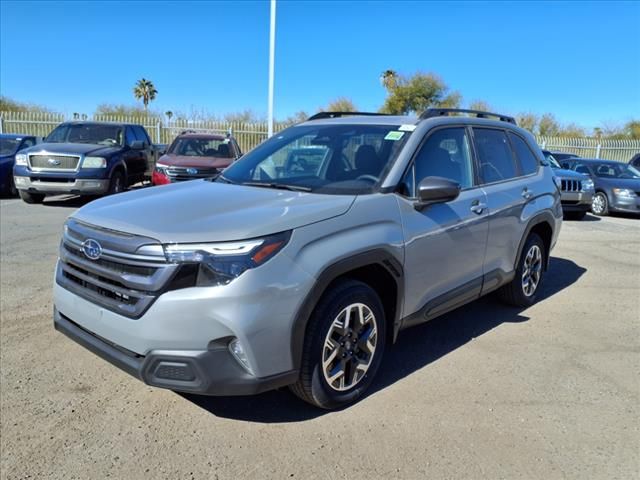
point(600, 204)
point(523, 289)
point(31, 197)
point(12, 190)
point(343, 346)
point(116, 184)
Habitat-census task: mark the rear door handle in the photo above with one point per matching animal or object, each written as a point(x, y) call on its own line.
point(527, 194)
point(478, 207)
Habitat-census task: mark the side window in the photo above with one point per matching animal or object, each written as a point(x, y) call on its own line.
point(528, 161)
point(129, 137)
point(583, 169)
point(141, 134)
point(27, 142)
point(446, 153)
point(494, 155)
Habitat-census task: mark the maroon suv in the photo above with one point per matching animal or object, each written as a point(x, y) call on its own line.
point(195, 155)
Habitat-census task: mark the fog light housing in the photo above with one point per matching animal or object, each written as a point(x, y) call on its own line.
point(21, 181)
point(237, 350)
point(92, 184)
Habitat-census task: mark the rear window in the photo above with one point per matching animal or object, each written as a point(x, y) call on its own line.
point(528, 161)
point(494, 155)
point(201, 147)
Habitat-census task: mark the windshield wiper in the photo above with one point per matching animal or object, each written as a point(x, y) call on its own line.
point(279, 186)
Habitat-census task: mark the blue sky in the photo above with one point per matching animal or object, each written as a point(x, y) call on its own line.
point(579, 60)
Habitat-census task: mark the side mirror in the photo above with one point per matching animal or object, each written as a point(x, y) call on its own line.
point(137, 145)
point(436, 190)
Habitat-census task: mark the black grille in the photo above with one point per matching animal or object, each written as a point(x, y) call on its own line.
point(181, 174)
point(571, 186)
point(54, 162)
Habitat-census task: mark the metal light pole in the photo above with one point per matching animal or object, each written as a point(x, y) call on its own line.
point(272, 47)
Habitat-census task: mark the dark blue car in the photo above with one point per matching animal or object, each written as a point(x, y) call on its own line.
point(11, 144)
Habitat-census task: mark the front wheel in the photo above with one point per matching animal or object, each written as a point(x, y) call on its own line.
point(600, 204)
point(31, 197)
point(116, 184)
point(523, 289)
point(343, 346)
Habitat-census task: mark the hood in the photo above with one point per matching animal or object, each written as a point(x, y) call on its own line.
point(197, 162)
point(72, 148)
point(570, 174)
point(204, 211)
point(630, 183)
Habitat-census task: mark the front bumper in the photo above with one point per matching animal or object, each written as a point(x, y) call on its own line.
point(625, 204)
point(576, 201)
point(213, 371)
point(62, 185)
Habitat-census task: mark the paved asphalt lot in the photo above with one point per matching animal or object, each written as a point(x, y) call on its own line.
point(487, 391)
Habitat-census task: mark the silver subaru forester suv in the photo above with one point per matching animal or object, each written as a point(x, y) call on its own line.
point(303, 261)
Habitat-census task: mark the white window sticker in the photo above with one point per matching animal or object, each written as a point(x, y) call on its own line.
point(407, 128)
point(393, 135)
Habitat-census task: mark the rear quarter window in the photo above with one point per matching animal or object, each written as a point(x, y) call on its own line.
point(494, 155)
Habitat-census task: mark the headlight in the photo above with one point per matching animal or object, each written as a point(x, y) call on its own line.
point(624, 192)
point(162, 168)
point(587, 184)
point(219, 263)
point(94, 162)
point(21, 159)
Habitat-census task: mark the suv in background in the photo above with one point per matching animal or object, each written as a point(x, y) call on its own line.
point(196, 155)
point(264, 277)
point(11, 144)
point(84, 158)
point(577, 189)
point(617, 185)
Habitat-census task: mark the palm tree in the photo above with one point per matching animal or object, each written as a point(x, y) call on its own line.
point(389, 79)
point(169, 114)
point(145, 91)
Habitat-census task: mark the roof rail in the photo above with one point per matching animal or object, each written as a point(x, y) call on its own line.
point(443, 112)
point(321, 115)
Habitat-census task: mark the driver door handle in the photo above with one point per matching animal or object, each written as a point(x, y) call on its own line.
point(478, 207)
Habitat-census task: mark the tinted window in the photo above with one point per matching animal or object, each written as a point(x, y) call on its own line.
point(494, 155)
point(446, 153)
point(201, 147)
point(130, 138)
point(28, 142)
point(141, 134)
point(583, 169)
point(94, 133)
point(528, 161)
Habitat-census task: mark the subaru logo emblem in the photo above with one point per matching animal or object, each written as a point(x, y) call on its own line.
point(92, 249)
point(53, 161)
point(192, 171)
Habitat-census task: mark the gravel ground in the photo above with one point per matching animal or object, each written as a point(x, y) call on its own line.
point(484, 392)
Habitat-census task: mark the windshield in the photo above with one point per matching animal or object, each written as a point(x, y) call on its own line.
point(615, 170)
point(332, 159)
point(87, 133)
point(8, 146)
point(552, 160)
point(201, 147)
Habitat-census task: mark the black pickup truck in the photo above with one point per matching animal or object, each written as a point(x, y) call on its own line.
point(85, 158)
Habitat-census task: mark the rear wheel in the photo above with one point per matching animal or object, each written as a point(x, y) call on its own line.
point(600, 204)
point(343, 346)
point(523, 289)
point(28, 197)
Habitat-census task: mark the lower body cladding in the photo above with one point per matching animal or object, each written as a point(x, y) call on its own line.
point(576, 201)
point(189, 340)
point(61, 185)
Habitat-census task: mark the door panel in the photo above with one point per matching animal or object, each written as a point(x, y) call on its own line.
point(444, 247)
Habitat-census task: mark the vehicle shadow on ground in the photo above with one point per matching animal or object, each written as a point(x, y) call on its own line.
point(68, 201)
point(415, 349)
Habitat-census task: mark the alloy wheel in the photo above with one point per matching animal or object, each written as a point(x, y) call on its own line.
point(532, 270)
point(349, 347)
point(598, 204)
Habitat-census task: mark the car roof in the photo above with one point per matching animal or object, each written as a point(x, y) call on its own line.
point(15, 135)
point(595, 160)
point(407, 120)
point(92, 122)
point(208, 136)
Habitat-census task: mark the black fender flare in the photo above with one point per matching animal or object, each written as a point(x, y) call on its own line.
point(378, 256)
point(542, 217)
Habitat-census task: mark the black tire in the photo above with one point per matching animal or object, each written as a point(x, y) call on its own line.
point(117, 183)
point(312, 385)
point(515, 293)
point(31, 197)
point(574, 215)
point(600, 209)
point(12, 191)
